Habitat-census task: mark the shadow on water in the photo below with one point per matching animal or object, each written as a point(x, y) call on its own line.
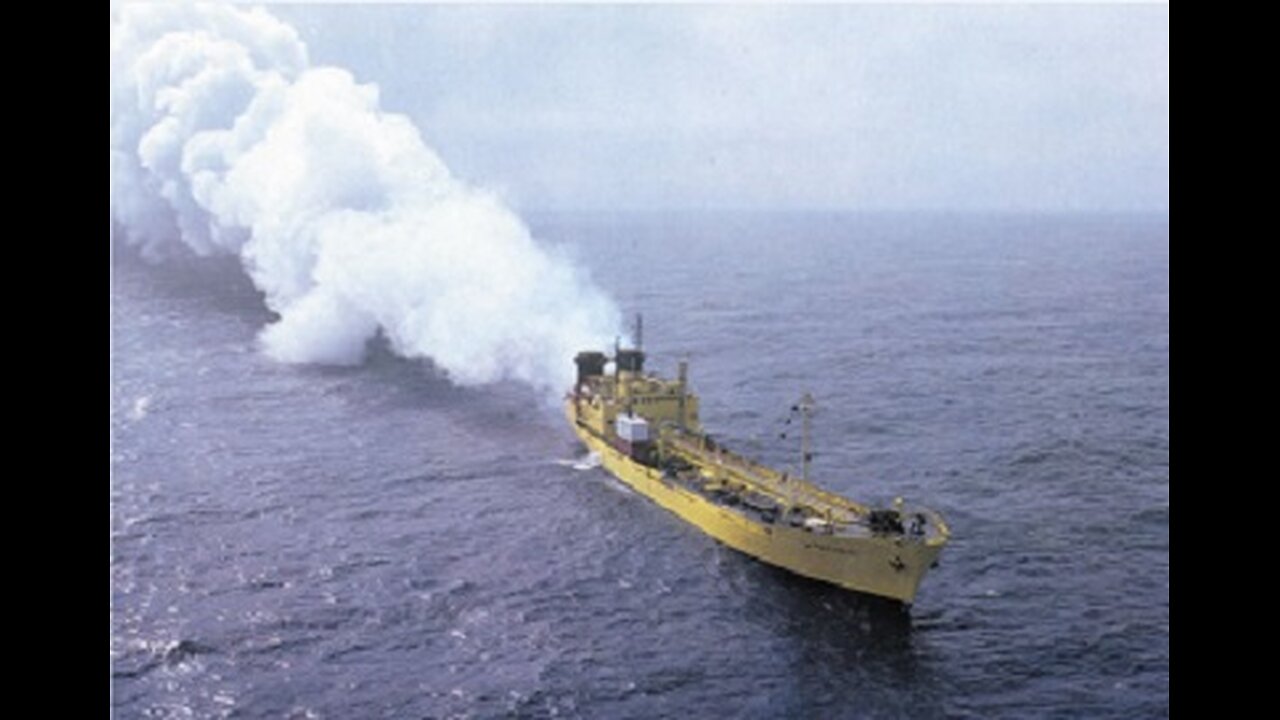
point(811, 610)
point(849, 653)
point(394, 381)
point(215, 283)
point(386, 382)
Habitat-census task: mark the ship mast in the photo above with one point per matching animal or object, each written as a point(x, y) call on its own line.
point(806, 408)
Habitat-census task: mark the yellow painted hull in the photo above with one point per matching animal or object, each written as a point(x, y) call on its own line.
point(880, 565)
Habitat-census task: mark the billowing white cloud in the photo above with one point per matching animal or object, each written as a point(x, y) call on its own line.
point(225, 140)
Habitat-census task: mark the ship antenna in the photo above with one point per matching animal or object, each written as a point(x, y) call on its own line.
point(617, 351)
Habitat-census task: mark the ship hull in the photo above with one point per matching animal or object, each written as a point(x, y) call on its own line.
point(887, 566)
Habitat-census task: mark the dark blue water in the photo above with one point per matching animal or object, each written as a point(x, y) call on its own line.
point(301, 542)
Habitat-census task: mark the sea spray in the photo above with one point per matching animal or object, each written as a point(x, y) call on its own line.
point(225, 140)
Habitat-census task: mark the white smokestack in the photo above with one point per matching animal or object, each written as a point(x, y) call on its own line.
point(225, 141)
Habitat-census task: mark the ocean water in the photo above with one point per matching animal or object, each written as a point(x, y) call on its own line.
point(373, 542)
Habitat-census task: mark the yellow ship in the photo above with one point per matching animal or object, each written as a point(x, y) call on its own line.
point(646, 432)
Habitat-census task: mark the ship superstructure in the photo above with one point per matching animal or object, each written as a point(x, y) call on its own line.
point(646, 431)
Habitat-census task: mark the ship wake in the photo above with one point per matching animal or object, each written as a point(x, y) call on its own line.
point(590, 461)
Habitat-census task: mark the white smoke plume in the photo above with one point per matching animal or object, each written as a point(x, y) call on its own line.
point(224, 140)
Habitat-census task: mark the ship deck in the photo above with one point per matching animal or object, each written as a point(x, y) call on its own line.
point(767, 496)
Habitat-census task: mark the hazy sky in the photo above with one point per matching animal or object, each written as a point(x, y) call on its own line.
point(1003, 107)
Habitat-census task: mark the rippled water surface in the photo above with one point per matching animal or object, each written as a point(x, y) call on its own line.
point(373, 542)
